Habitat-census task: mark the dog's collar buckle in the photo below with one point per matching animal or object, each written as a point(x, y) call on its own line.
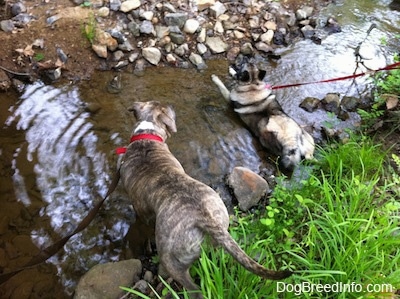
point(122, 150)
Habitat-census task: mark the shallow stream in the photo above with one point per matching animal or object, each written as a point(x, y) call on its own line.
point(57, 143)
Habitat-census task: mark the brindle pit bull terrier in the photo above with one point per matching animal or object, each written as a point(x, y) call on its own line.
point(182, 208)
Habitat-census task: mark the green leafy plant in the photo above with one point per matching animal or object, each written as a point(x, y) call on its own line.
point(38, 57)
point(89, 28)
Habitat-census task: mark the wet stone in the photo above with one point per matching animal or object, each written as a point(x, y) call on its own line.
point(331, 102)
point(103, 280)
point(310, 104)
point(350, 103)
point(308, 31)
point(24, 290)
point(152, 55)
point(247, 186)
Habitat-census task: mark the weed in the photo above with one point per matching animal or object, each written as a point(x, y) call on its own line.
point(38, 57)
point(89, 28)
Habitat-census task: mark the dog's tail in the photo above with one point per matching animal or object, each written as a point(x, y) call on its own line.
point(223, 238)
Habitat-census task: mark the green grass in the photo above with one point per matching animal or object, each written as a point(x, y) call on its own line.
point(339, 226)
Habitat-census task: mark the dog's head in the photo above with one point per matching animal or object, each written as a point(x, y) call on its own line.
point(162, 118)
point(248, 70)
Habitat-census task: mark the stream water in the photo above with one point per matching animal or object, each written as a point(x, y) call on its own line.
point(57, 143)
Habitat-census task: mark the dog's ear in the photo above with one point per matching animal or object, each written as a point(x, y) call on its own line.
point(167, 117)
point(136, 108)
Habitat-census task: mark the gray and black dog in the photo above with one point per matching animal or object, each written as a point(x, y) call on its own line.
point(182, 209)
point(258, 108)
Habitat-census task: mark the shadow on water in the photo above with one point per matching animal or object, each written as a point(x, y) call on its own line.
point(57, 144)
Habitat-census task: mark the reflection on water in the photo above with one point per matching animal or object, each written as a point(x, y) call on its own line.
point(70, 174)
point(57, 152)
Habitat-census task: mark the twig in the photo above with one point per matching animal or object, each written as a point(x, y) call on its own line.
point(14, 73)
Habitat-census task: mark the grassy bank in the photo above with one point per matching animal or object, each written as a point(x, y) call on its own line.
point(339, 228)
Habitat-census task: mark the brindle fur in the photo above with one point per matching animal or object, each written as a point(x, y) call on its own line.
point(264, 116)
point(182, 209)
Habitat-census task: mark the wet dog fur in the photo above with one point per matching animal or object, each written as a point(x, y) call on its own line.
point(182, 209)
point(258, 108)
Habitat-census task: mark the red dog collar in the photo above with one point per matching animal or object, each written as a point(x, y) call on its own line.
point(122, 150)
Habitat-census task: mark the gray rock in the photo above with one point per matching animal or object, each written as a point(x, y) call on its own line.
point(148, 276)
point(161, 31)
point(176, 19)
point(308, 31)
point(126, 46)
point(168, 7)
point(117, 55)
point(38, 43)
point(51, 20)
point(191, 26)
point(18, 8)
point(177, 38)
point(310, 104)
point(132, 57)
point(246, 49)
point(152, 55)
point(301, 14)
point(264, 47)
point(103, 12)
point(134, 28)
point(61, 54)
point(217, 9)
point(128, 5)
point(216, 44)
point(141, 286)
point(331, 102)
point(100, 50)
point(22, 19)
point(7, 25)
point(308, 10)
point(146, 27)
point(104, 280)
point(115, 5)
point(197, 61)
point(267, 37)
point(248, 187)
point(350, 103)
point(201, 48)
point(182, 50)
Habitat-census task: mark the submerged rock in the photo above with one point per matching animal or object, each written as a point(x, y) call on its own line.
point(104, 280)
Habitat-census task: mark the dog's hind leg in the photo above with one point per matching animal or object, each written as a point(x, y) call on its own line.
point(222, 88)
point(179, 271)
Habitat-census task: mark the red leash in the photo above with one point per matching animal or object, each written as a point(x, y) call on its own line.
point(386, 68)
